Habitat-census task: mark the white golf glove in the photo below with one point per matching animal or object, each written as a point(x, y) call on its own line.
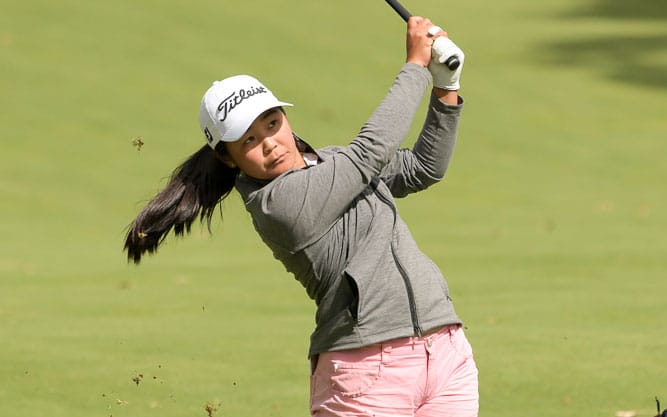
point(443, 77)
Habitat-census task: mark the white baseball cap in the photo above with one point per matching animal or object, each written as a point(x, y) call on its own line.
point(230, 106)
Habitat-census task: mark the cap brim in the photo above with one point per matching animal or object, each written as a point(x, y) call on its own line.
point(235, 132)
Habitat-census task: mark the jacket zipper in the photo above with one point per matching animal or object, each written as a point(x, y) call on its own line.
point(408, 286)
point(409, 290)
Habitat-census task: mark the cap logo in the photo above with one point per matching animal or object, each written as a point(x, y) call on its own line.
point(209, 136)
point(230, 102)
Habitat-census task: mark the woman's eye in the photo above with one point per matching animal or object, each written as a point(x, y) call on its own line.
point(249, 139)
point(273, 124)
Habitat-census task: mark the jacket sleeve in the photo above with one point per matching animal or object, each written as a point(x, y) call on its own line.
point(297, 208)
point(415, 169)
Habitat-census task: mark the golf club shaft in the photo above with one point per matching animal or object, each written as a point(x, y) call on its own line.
point(452, 62)
point(398, 7)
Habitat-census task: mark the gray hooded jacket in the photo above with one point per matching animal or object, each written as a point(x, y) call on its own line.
point(335, 225)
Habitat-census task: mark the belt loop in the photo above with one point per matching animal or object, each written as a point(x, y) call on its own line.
point(385, 350)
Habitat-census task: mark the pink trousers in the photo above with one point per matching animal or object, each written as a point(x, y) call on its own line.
point(433, 375)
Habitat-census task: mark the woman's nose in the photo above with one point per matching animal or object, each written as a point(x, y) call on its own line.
point(268, 144)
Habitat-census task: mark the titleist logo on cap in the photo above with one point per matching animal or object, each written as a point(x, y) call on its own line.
point(230, 102)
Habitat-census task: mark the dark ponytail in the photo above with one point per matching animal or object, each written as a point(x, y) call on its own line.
point(195, 188)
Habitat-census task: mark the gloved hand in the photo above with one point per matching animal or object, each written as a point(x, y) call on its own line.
point(442, 49)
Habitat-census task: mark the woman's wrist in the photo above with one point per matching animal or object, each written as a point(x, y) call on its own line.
point(447, 96)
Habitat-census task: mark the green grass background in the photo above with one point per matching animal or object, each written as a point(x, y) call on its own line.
point(550, 226)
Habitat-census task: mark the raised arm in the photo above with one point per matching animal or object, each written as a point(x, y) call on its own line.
point(302, 204)
point(415, 169)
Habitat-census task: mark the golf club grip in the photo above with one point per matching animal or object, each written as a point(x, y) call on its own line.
point(452, 62)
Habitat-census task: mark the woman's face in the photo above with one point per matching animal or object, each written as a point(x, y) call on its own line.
point(267, 149)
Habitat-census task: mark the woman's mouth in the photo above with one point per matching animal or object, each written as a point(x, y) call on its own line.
point(279, 159)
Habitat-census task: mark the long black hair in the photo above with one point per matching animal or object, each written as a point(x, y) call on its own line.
point(195, 188)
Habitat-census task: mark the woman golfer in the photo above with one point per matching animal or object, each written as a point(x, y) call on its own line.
point(387, 340)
